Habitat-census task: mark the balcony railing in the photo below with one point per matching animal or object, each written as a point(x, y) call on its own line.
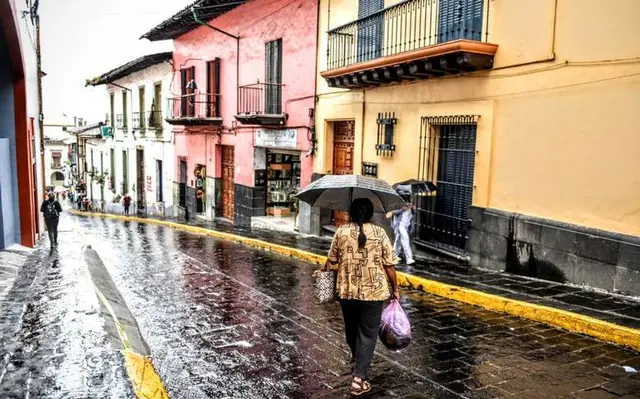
point(403, 32)
point(121, 122)
point(194, 109)
point(137, 120)
point(154, 119)
point(261, 103)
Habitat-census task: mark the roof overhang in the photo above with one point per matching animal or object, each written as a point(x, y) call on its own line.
point(183, 21)
point(130, 67)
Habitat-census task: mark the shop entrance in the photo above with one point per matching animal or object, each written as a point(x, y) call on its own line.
point(201, 176)
point(283, 181)
point(227, 181)
point(344, 133)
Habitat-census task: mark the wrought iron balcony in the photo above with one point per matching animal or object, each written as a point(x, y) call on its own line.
point(138, 121)
point(261, 104)
point(415, 39)
point(194, 110)
point(154, 119)
point(121, 121)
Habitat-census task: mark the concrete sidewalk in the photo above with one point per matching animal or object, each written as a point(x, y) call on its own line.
point(605, 316)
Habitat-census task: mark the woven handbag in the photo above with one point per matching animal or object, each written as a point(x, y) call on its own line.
point(325, 285)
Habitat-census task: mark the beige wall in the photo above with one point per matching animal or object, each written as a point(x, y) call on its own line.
point(557, 138)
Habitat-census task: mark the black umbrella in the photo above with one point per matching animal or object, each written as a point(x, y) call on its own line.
point(338, 191)
point(415, 187)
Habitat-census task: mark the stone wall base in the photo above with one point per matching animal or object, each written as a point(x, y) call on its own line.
point(555, 251)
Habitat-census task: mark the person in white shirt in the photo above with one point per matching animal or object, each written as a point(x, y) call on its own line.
point(401, 223)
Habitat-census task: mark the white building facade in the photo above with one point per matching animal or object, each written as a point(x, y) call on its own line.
point(137, 152)
point(58, 150)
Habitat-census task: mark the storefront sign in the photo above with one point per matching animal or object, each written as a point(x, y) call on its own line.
point(149, 184)
point(287, 138)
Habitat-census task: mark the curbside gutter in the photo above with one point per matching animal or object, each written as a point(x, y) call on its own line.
point(146, 382)
point(573, 322)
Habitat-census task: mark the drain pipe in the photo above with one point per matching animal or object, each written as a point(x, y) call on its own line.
point(237, 38)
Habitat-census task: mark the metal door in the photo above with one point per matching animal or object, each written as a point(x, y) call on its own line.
point(447, 157)
point(228, 195)
point(343, 145)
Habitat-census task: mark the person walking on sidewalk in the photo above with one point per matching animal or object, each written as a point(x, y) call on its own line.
point(401, 223)
point(51, 209)
point(126, 201)
point(362, 254)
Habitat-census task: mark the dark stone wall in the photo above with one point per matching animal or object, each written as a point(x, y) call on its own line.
point(554, 251)
point(217, 212)
point(248, 202)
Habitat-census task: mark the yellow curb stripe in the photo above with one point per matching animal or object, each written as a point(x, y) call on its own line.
point(573, 322)
point(147, 384)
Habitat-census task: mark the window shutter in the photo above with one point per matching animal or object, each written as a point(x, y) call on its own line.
point(273, 69)
point(210, 102)
point(460, 19)
point(370, 31)
point(183, 92)
point(368, 7)
point(216, 85)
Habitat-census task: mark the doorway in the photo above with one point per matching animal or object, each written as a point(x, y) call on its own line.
point(344, 133)
point(228, 196)
point(448, 159)
point(140, 178)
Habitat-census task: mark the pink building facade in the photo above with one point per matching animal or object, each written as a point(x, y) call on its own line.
point(242, 105)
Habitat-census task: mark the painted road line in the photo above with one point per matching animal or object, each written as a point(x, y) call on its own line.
point(570, 321)
point(146, 382)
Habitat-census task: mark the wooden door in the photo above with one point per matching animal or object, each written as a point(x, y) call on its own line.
point(343, 144)
point(227, 181)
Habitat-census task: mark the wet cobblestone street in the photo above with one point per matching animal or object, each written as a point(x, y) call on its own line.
point(223, 320)
point(52, 339)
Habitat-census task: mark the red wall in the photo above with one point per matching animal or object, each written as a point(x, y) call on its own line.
point(24, 158)
point(256, 22)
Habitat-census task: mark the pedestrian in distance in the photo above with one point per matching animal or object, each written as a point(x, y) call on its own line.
point(362, 254)
point(51, 209)
point(401, 220)
point(126, 202)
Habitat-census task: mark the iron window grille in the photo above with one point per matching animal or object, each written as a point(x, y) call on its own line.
point(447, 157)
point(386, 131)
point(370, 169)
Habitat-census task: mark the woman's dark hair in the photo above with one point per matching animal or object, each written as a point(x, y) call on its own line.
point(361, 211)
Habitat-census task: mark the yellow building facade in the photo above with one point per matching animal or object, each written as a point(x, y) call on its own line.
point(525, 114)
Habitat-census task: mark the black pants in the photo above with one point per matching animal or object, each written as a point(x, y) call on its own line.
point(361, 325)
point(126, 209)
point(52, 229)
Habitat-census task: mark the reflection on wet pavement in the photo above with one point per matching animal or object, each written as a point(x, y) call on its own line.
point(227, 321)
point(52, 339)
point(224, 320)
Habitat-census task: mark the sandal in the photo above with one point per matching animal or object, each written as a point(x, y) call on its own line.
point(359, 388)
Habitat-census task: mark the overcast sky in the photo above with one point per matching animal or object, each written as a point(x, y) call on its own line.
point(84, 38)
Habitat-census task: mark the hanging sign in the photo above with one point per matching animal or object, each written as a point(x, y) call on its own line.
point(286, 138)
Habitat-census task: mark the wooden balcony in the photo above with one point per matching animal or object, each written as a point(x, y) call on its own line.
point(415, 39)
point(198, 109)
point(261, 104)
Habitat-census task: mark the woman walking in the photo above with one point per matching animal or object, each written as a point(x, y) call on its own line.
point(363, 256)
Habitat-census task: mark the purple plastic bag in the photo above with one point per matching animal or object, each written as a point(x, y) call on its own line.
point(395, 330)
